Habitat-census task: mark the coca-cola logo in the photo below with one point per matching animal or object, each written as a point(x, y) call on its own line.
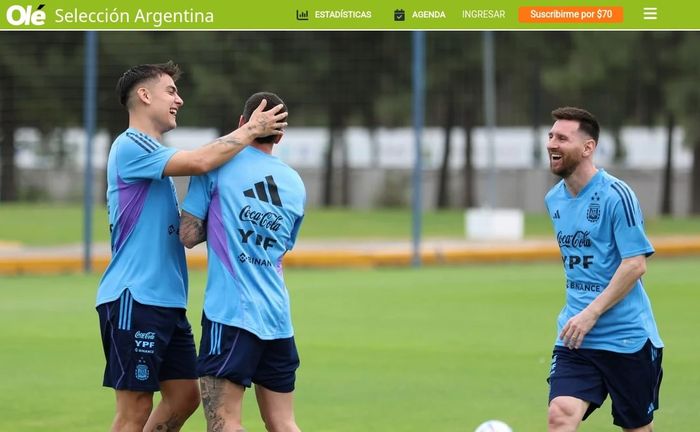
point(579, 239)
point(145, 335)
point(268, 220)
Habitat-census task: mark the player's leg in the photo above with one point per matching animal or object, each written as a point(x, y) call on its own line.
point(647, 428)
point(576, 389)
point(276, 409)
point(179, 400)
point(634, 381)
point(128, 371)
point(177, 377)
point(222, 401)
point(565, 413)
point(132, 410)
point(228, 357)
point(274, 385)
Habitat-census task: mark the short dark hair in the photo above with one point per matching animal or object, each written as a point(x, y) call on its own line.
point(587, 121)
point(254, 101)
point(141, 73)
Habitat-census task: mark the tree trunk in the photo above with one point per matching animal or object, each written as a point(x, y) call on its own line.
point(328, 170)
point(469, 198)
point(619, 151)
point(370, 116)
point(443, 200)
point(695, 180)
point(667, 187)
point(335, 130)
point(345, 172)
point(8, 125)
point(536, 92)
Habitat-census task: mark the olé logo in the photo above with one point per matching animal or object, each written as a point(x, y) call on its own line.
point(23, 15)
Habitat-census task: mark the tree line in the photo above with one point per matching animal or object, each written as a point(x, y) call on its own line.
point(340, 79)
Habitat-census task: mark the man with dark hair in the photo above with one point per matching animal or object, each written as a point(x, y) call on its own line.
point(249, 211)
point(141, 300)
point(587, 123)
point(607, 343)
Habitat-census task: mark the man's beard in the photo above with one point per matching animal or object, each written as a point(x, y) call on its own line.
point(566, 168)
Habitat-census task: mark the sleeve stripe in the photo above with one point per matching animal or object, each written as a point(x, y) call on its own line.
point(148, 142)
point(630, 201)
point(143, 142)
point(626, 199)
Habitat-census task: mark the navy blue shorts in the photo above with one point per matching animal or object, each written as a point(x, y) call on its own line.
point(145, 345)
point(632, 381)
point(241, 357)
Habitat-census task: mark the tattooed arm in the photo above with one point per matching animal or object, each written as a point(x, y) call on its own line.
point(193, 230)
point(216, 153)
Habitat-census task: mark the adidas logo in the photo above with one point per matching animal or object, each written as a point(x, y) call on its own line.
point(265, 191)
point(556, 215)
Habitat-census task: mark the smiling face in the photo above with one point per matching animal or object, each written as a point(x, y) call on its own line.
point(567, 146)
point(163, 101)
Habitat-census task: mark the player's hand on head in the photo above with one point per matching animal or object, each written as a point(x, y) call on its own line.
point(270, 122)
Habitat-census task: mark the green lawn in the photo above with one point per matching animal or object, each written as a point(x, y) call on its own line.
point(431, 349)
point(41, 224)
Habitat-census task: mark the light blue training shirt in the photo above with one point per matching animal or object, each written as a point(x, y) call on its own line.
point(253, 206)
point(596, 230)
point(144, 220)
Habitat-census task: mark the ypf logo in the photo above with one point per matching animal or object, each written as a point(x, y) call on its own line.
point(24, 15)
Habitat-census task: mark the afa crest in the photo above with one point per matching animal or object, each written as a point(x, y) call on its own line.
point(593, 213)
point(142, 372)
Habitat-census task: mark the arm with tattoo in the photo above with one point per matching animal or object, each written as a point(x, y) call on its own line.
point(216, 153)
point(193, 230)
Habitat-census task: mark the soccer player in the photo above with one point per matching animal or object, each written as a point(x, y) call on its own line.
point(249, 211)
point(607, 343)
point(141, 300)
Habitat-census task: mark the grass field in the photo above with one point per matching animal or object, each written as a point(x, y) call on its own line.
point(432, 349)
point(43, 224)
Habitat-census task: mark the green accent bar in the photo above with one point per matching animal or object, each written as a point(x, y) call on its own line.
point(349, 15)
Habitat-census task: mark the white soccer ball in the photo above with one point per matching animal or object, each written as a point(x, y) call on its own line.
point(493, 426)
